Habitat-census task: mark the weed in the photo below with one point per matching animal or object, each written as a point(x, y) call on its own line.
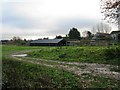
point(116, 69)
point(112, 52)
point(80, 54)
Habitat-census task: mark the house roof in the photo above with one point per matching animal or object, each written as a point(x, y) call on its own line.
point(115, 32)
point(100, 36)
point(47, 41)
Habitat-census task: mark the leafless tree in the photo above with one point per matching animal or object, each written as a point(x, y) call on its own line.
point(16, 38)
point(93, 30)
point(106, 28)
point(102, 28)
point(111, 11)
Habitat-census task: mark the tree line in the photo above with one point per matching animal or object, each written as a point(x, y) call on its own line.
point(73, 34)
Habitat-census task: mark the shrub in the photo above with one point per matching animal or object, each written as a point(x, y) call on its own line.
point(112, 52)
point(62, 55)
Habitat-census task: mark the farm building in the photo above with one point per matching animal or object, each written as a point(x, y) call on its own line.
point(101, 39)
point(4, 41)
point(115, 36)
point(48, 42)
point(72, 42)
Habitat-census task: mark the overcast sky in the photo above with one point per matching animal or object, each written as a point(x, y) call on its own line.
point(32, 19)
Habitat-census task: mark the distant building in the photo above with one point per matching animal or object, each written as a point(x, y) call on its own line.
point(72, 42)
point(48, 42)
point(115, 36)
point(101, 39)
point(4, 41)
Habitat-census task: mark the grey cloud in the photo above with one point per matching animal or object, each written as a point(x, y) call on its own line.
point(11, 18)
point(63, 25)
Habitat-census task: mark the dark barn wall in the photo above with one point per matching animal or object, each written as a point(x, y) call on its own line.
point(44, 44)
point(62, 43)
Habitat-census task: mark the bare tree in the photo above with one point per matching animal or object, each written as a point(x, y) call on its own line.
point(101, 28)
point(111, 11)
point(93, 30)
point(98, 27)
point(106, 28)
point(16, 38)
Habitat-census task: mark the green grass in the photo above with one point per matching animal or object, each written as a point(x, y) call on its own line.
point(8, 49)
point(99, 81)
point(21, 74)
point(107, 55)
point(0, 66)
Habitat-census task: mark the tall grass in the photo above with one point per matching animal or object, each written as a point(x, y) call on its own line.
point(79, 54)
point(18, 74)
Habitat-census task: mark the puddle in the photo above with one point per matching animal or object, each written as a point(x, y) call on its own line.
point(20, 55)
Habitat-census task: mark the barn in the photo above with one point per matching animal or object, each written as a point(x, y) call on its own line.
point(48, 42)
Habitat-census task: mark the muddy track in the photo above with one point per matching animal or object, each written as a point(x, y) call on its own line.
point(78, 69)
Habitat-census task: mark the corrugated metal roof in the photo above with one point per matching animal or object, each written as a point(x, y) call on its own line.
point(47, 41)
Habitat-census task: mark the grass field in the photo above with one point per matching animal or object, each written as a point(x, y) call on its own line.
point(107, 55)
point(21, 74)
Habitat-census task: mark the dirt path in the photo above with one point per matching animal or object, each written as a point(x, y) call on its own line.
point(74, 67)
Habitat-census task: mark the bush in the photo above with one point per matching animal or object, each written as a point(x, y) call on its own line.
point(112, 52)
point(62, 56)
